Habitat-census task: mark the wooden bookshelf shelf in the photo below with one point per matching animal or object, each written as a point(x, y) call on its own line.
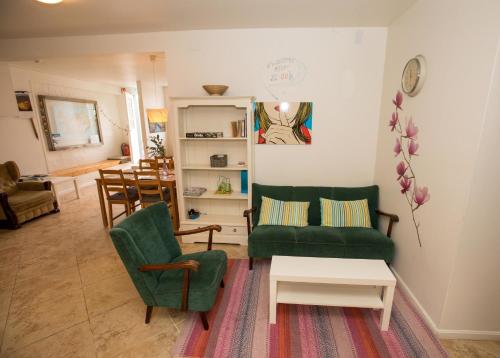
point(192, 157)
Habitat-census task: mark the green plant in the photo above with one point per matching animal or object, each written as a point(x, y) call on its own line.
point(158, 149)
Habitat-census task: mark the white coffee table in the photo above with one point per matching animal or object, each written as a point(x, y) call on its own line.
point(331, 282)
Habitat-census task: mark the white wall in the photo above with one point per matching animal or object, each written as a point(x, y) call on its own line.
point(343, 79)
point(473, 299)
point(18, 143)
point(449, 113)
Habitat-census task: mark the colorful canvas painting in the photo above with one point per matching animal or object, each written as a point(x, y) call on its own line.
point(23, 101)
point(283, 122)
point(157, 120)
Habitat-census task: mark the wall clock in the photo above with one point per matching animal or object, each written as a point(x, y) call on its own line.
point(413, 76)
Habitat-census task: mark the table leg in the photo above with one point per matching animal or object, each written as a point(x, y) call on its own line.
point(385, 316)
point(273, 290)
point(173, 196)
point(77, 187)
point(102, 204)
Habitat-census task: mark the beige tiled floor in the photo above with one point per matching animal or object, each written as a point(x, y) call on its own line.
point(65, 293)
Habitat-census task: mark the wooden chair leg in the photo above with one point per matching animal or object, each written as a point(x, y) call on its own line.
point(204, 320)
point(250, 263)
point(222, 283)
point(110, 209)
point(149, 310)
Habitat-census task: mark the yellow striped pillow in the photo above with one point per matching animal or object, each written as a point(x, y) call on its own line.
point(284, 213)
point(345, 213)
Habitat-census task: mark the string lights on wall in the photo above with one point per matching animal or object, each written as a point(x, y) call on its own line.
point(113, 123)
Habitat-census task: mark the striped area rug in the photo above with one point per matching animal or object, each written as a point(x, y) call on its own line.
point(239, 326)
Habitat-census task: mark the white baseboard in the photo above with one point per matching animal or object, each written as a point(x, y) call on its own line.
point(444, 333)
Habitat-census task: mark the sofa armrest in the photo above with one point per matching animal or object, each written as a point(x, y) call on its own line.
point(248, 214)
point(187, 266)
point(210, 229)
point(393, 218)
point(34, 185)
point(6, 212)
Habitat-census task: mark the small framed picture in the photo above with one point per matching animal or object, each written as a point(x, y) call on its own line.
point(23, 101)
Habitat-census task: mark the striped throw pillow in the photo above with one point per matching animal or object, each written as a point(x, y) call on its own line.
point(345, 213)
point(285, 213)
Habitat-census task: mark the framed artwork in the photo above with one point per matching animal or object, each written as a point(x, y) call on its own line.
point(23, 101)
point(157, 120)
point(283, 122)
point(69, 122)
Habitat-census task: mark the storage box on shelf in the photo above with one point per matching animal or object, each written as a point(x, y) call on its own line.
point(209, 115)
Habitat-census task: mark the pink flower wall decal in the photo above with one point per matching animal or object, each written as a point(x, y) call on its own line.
point(405, 184)
point(397, 147)
point(412, 148)
point(398, 100)
point(394, 121)
point(421, 195)
point(406, 148)
point(401, 169)
point(411, 129)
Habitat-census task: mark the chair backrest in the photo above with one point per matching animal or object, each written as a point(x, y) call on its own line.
point(113, 182)
point(170, 162)
point(148, 184)
point(149, 164)
point(146, 237)
point(9, 174)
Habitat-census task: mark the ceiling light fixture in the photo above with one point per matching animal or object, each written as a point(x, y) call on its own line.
point(50, 1)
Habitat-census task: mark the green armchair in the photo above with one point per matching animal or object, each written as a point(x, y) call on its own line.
point(20, 202)
point(163, 276)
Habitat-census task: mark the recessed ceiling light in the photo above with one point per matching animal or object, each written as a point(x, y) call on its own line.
point(50, 1)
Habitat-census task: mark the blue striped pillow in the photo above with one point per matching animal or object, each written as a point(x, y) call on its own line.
point(345, 213)
point(285, 213)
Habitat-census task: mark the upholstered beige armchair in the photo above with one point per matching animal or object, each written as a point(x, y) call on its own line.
point(20, 202)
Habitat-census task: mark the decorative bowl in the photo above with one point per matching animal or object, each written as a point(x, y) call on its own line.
point(215, 90)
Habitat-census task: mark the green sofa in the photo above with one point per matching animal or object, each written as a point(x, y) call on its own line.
point(316, 240)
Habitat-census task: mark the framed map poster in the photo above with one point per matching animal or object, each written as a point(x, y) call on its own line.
point(69, 122)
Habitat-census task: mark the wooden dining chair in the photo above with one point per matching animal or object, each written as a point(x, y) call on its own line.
point(118, 193)
point(170, 162)
point(148, 184)
point(149, 164)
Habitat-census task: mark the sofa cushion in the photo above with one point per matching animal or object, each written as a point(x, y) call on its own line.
point(368, 192)
point(353, 213)
point(320, 234)
point(283, 213)
point(367, 244)
point(273, 233)
point(283, 193)
point(23, 200)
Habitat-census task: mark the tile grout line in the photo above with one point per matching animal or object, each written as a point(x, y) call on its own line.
point(10, 304)
point(85, 302)
point(50, 335)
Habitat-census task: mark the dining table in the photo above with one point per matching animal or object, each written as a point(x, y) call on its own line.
point(166, 181)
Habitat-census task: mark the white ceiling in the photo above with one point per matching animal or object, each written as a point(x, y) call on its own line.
point(118, 69)
point(29, 18)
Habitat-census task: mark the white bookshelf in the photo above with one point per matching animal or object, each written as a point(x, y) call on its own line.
point(192, 161)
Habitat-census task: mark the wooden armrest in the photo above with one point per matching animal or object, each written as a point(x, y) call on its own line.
point(248, 214)
point(209, 228)
point(217, 228)
point(187, 266)
point(393, 218)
